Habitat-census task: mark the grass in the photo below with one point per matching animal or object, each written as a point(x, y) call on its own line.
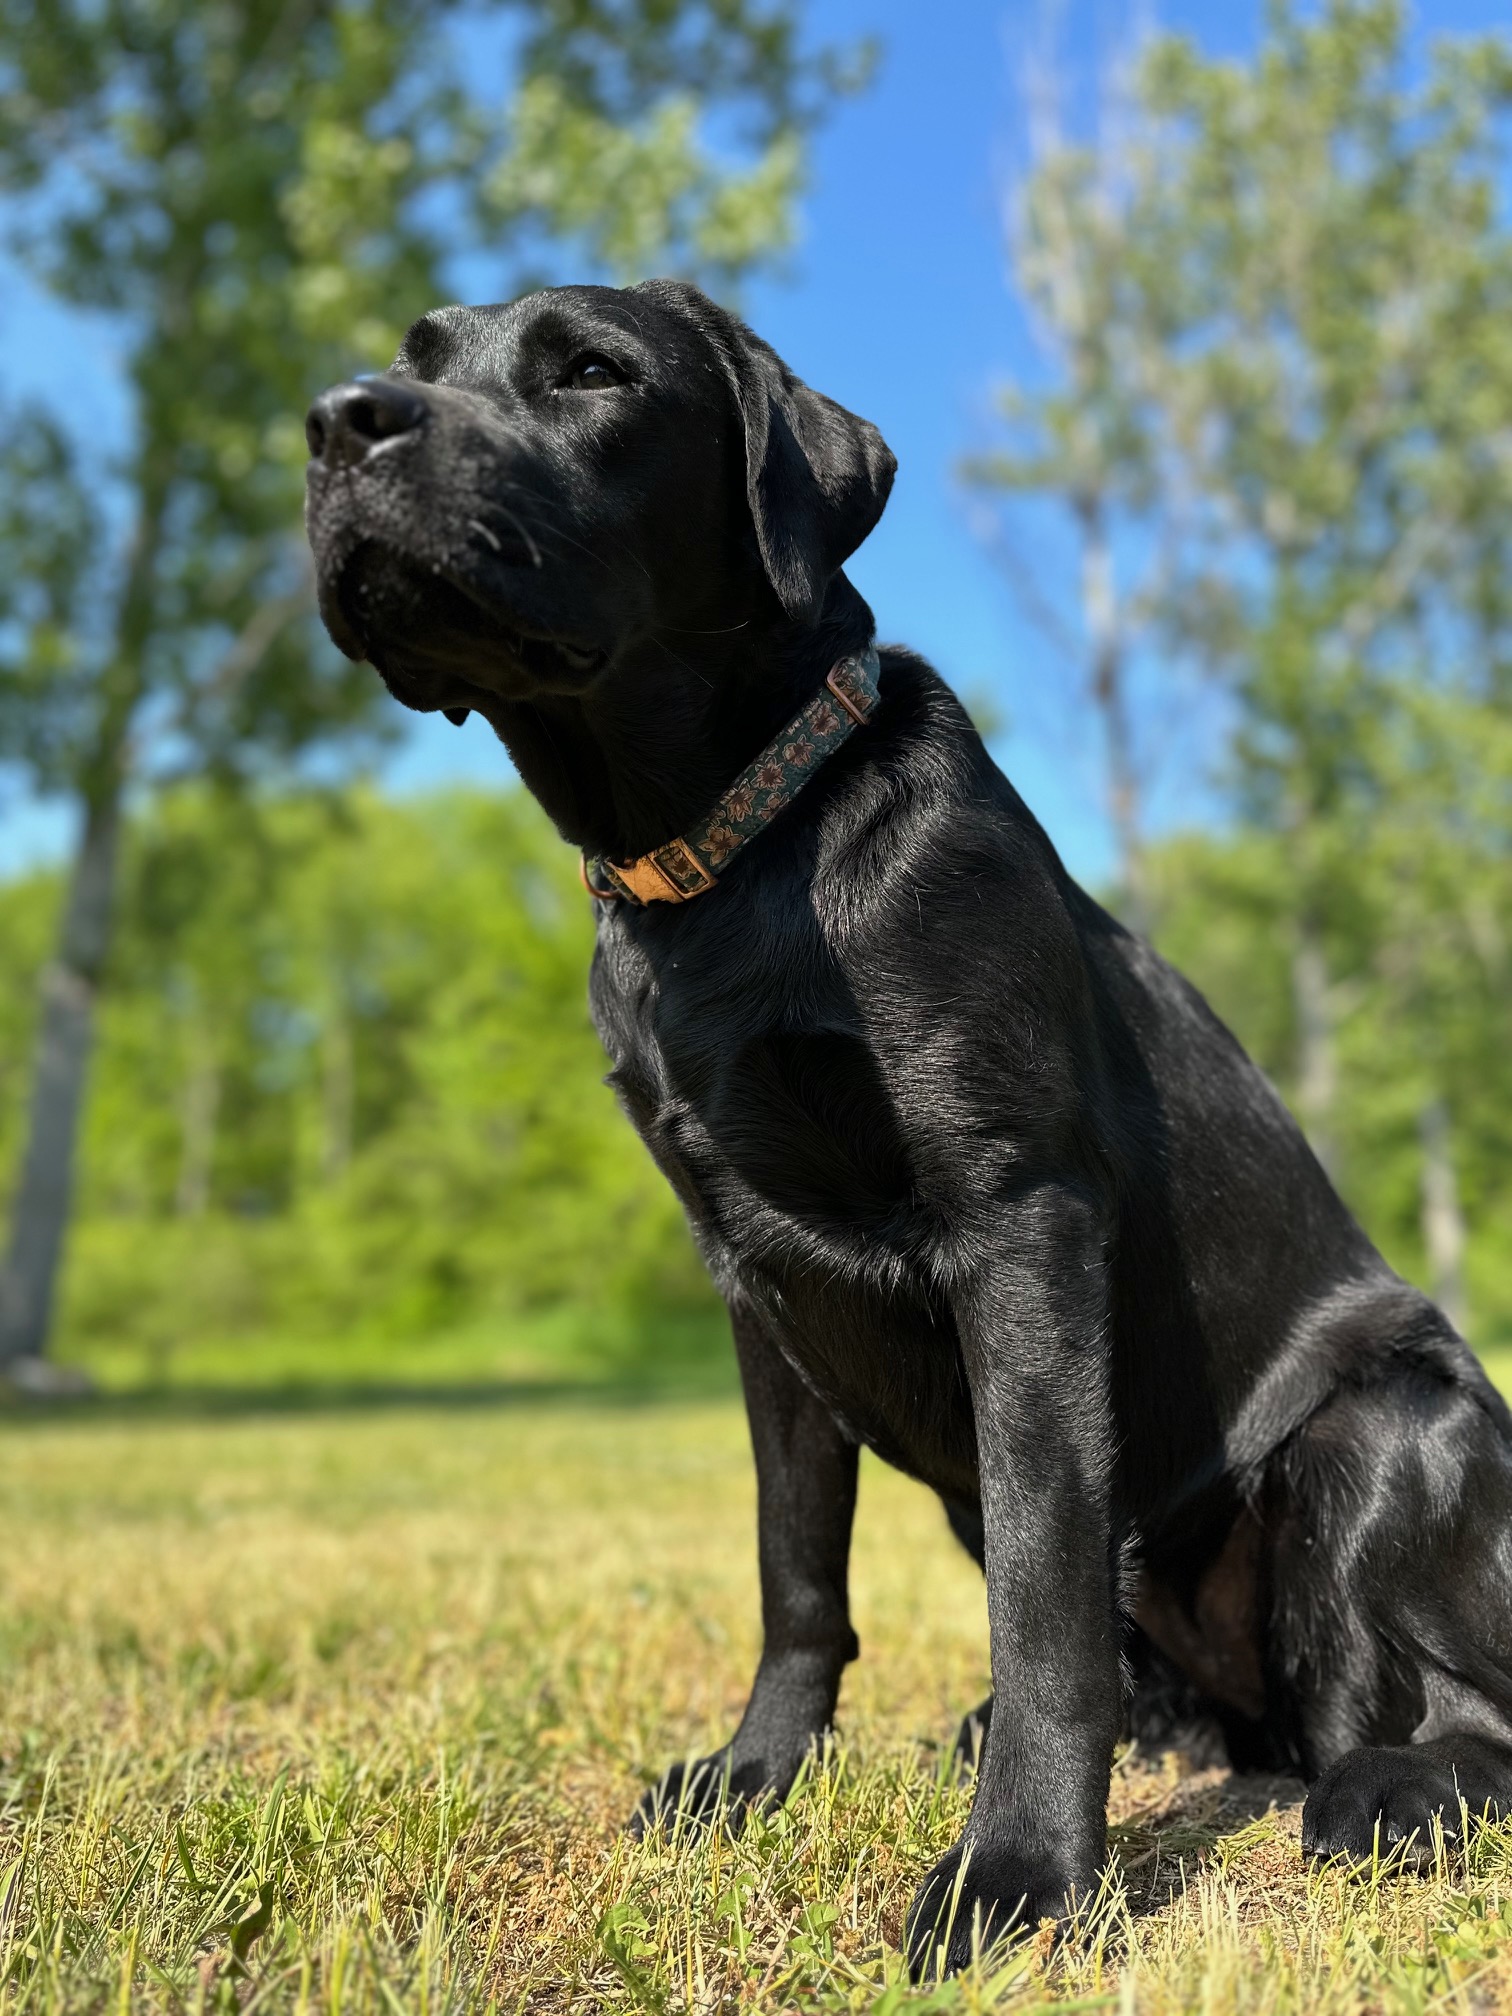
point(565, 1348)
point(340, 1709)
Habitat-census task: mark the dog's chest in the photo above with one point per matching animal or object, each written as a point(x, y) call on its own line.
point(781, 1138)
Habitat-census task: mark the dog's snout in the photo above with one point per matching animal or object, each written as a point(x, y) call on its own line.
point(345, 424)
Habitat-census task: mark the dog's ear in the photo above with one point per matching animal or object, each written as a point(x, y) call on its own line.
point(817, 476)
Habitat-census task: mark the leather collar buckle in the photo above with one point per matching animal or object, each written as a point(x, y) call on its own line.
point(688, 865)
point(669, 874)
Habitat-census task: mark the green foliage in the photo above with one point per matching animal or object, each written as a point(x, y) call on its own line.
point(347, 1087)
point(349, 1118)
point(616, 188)
point(1279, 298)
point(1423, 1011)
point(265, 197)
point(262, 196)
point(50, 536)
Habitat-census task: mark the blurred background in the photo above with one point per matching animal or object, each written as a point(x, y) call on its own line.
point(1193, 333)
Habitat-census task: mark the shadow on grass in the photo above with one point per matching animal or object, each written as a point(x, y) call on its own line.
point(1162, 1840)
point(222, 1401)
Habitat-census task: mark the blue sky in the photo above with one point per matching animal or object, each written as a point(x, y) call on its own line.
point(896, 302)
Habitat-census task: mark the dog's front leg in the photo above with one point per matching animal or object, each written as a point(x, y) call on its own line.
point(1032, 1325)
point(806, 1498)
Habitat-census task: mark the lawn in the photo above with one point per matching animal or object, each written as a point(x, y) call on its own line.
point(340, 1707)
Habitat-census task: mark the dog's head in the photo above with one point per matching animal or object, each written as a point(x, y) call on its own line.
point(534, 489)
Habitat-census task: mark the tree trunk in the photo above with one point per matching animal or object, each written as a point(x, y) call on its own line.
point(39, 1216)
point(1317, 1068)
point(1442, 1218)
point(1100, 613)
point(44, 1195)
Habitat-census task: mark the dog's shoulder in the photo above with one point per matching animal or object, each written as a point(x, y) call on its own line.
point(918, 808)
point(931, 877)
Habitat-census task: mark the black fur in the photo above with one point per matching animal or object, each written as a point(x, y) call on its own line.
point(984, 1182)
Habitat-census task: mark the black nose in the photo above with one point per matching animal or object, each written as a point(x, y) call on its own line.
point(349, 421)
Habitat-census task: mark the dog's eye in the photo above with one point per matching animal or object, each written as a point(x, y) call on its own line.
point(590, 373)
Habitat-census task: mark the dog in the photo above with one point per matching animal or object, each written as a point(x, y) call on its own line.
point(986, 1185)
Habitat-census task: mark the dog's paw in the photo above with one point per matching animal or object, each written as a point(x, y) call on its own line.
point(707, 1792)
point(971, 1737)
point(1385, 1801)
point(974, 1897)
point(693, 1794)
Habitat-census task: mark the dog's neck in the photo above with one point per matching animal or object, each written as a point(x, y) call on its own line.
point(658, 737)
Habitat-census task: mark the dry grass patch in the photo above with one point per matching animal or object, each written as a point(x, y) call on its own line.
point(342, 1711)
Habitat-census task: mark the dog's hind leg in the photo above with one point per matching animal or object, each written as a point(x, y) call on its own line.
point(806, 1499)
point(965, 1517)
point(1161, 1706)
point(1391, 1578)
point(1384, 1799)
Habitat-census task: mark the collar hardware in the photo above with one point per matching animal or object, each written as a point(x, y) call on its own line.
point(858, 709)
point(688, 865)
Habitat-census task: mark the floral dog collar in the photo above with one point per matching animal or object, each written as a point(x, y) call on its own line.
point(687, 866)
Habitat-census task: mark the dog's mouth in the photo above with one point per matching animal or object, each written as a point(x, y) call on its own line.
point(441, 643)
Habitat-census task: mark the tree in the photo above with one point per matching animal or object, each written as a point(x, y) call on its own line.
point(1310, 277)
point(1081, 440)
point(479, 1155)
point(262, 194)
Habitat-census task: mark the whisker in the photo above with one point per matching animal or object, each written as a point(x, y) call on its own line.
point(477, 525)
point(544, 506)
point(524, 531)
point(691, 670)
point(683, 630)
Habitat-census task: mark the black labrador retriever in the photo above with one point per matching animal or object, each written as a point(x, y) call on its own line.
point(986, 1185)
